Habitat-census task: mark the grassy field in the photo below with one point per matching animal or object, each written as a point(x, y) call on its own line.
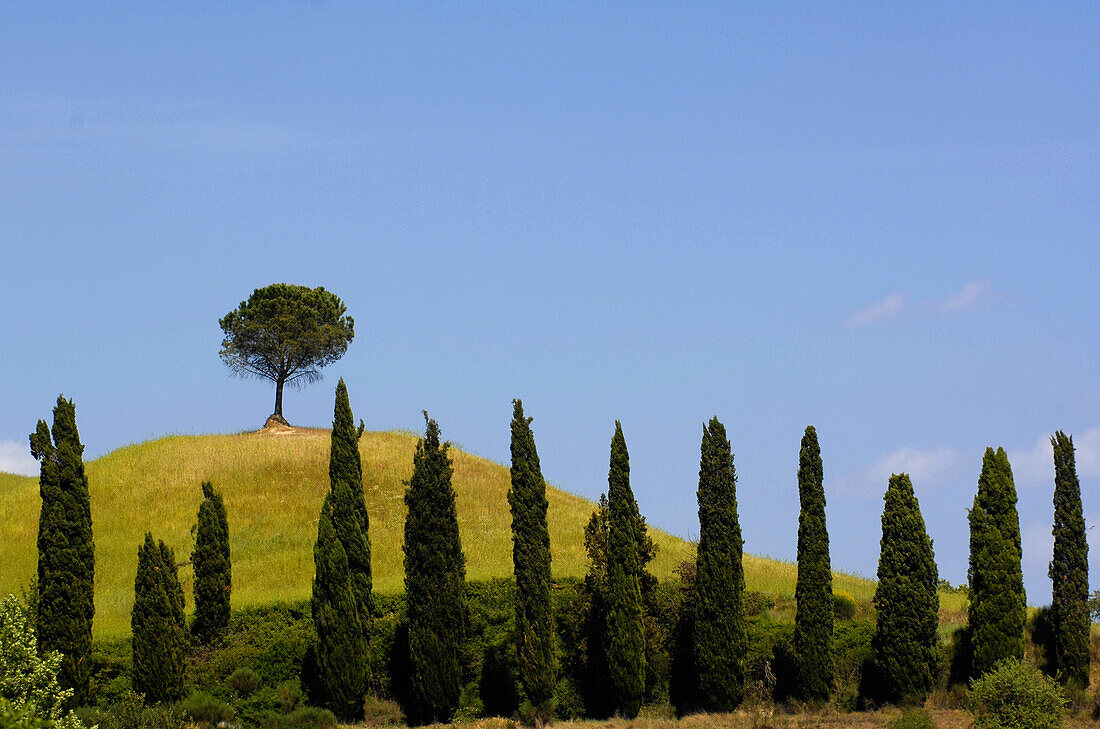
point(273, 484)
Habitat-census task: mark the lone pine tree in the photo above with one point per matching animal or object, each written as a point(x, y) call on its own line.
point(719, 610)
point(213, 569)
point(535, 640)
point(1069, 569)
point(998, 606)
point(435, 584)
point(906, 600)
point(157, 623)
point(342, 654)
point(66, 552)
point(813, 621)
point(625, 626)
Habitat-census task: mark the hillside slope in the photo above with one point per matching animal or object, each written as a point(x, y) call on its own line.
point(273, 486)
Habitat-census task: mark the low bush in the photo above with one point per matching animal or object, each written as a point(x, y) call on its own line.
point(1016, 695)
point(205, 710)
point(381, 713)
point(131, 712)
point(844, 605)
point(243, 681)
point(912, 719)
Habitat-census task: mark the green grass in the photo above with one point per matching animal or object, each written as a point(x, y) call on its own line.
point(273, 485)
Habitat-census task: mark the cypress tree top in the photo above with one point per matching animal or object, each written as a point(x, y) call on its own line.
point(349, 509)
point(212, 566)
point(157, 623)
point(1069, 568)
point(813, 632)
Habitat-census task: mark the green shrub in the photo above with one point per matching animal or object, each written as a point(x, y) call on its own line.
point(912, 719)
point(131, 712)
point(1016, 695)
point(204, 709)
point(844, 606)
point(381, 713)
point(310, 717)
point(19, 716)
point(243, 681)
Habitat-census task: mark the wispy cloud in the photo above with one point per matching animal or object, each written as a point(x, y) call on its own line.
point(886, 308)
point(1035, 466)
point(16, 458)
point(973, 295)
point(923, 467)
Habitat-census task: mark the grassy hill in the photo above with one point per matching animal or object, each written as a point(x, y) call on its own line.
point(273, 483)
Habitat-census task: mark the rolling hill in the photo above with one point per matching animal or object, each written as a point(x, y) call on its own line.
point(273, 483)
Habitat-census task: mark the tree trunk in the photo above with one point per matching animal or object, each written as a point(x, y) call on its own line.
point(279, 399)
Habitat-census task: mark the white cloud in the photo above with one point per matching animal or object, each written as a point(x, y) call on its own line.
point(16, 458)
point(1036, 466)
point(886, 308)
point(923, 466)
point(974, 294)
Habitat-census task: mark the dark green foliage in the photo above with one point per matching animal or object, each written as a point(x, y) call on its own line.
point(349, 509)
point(66, 552)
point(998, 607)
point(286, 333)
point(205, 710)
point(906, 600)
point(535, 640)
point(213, 569)
point(718, 607)
point(1069, 570)
point(435, 584)
point(813, 632)
point(341, 655)
point(157, 622)
point(625, 626)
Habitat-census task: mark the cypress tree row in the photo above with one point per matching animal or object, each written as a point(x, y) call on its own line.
point(349, 509)
point(720, 640)
point(213, 569)
point(342, 653)
point(998, 606)
point(906, 600)
point(157, 622)
point(1069, 570)
point(625, 628)
point(66, 552)
point(813, 621)
point(435, 584)
point(535, 640)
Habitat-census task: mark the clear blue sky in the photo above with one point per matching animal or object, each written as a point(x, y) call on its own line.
point(878, 219)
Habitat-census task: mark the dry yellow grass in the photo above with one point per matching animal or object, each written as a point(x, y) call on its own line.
point(273, 484)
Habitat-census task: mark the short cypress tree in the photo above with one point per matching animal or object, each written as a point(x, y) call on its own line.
point(535, 639)
point(1069, 570)
point(342, 654)
point(906, 600)
point(719, 609)
point(349, 509)
point(66, 552)
point(813, 620)
point(625, 627)
point(213, 569)
point(157, 622)
point(998, 605)
point(435, 584)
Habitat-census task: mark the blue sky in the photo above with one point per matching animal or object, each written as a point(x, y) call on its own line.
point(877, 219)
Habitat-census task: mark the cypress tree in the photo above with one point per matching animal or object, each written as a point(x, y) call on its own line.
point(535, 646)
point(435, 584)
point(813, 620)
point(1069, 570)
point(998, 605)
point(66, 552)
point(719, 610)
point(342, 654)
point(906, 599)
point(625, 628)
point(158, 626)
point(349, 509)
point(213, 569)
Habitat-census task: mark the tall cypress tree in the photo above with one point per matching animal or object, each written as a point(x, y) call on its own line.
point(998, 605)
point(719, 609)
point(213, 569)
point(435, 584)
point(535, 646)
point(66, 552)
point(349, 509)
point(813, 620)
point(906, 599)
point(157, 622)
point(1069, 570)
point(342, 653)
point(625, 628)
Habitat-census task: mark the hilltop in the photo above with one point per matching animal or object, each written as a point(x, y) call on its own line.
point(273, 482)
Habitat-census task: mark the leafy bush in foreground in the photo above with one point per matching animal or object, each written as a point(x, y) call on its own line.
point(1016, 695)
